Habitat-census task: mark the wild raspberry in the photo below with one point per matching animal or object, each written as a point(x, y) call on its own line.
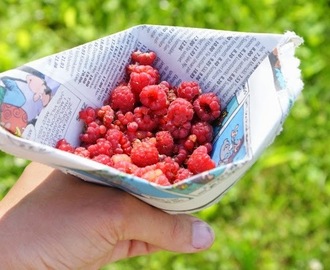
point(189, 90)
point(118, 141)
point(64, 145)
point(122, 120)
point(169, 167)
point(82, 151)
point(88, 115)
point(207, 107)
point(143, 58)
point(190, 143)
point(145, 119)
point(164, 142)
point(153, 97)
point(122, 98)
point(120, 157)
point(106, 114)
point(182, 174)
point(125, 166)
point(180, 154)
point(104, 159)
point(144, 154)
point(156, 176)
point(144, 69)
point(180, 111)
point(203, 132)
point(93, 132)
point(200, 161)
point(177, 131)
point(102, 146)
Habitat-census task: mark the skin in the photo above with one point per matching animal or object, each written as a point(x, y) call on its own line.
point(50, 220)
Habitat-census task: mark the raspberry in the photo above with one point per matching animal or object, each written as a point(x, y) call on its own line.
point(64, 145)
point(120, 157)
point(182, 174)
point(107, 115)
point(178, 132)
point(88, 115)
point(82, 151)
point(93, 132)
point(207, 107)
point(122, 98)
point(104, 159)
point(144, 58)
point(203, 132)
point(144, 154)
point(125, 166)
point(169, 167)
point(190, 143)
point(189, 90)
point(102, 146)
point(153, 97)
point(180, 154)
point(156, 176)
point(144, 69)
point(145, 120)
point(118, 141)
point(180, 111)
point(200, 161)
point(164, 142)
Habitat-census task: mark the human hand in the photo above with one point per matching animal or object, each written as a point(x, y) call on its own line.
point(50, 220)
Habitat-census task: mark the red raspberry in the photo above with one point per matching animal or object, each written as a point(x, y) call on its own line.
point(145, 120)
point(182, 174)
point(178, 132)
point(203, 132)
point(122, 120)
point(122, 98)
point(144, 69)
point(104, 159)
point(106, 114)
point(120, 157)
point(180, 111)
point(180, 154)
point(200, 161)
point(64, 145)
point(189, 90)
point(144, 154)
point(169, 167)
point(93, 132)
point(119, 141)
point(102, 146)
point(125, 166)
point(164, 142)
point(88, 115)
point(82, 151)
point(156, 176)
point(153, 97)
point(144, 58)
point(190, 143)
point(207, 107)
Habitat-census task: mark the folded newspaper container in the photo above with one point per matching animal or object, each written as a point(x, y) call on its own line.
point(255, 75)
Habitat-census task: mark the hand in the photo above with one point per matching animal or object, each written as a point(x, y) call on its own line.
point(50, 220)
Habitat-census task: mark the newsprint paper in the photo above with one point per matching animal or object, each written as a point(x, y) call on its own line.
point(255, 75)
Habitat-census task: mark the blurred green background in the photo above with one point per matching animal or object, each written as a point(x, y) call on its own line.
point(278, 215)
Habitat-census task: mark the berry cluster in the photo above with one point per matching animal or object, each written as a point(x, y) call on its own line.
point(149, 128)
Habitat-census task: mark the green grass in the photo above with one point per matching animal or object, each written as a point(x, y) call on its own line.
point(278, 215)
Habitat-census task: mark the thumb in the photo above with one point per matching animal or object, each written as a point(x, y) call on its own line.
point(178, 233)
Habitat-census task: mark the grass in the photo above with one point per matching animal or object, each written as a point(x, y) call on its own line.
point(277, 216)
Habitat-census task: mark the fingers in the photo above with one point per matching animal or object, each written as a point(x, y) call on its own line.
point(178, 233)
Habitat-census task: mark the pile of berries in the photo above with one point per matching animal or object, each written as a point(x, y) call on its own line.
point(149, 128)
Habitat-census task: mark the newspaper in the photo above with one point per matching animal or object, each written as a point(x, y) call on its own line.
point(256, 76)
